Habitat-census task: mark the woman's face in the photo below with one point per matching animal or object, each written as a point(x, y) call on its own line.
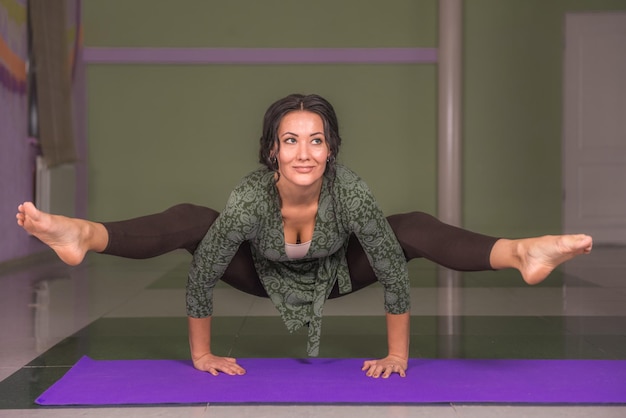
point(303, 148)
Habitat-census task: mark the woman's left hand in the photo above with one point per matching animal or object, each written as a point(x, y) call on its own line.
point(385, 367)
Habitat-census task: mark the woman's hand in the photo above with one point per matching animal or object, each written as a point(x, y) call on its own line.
point(216, 364)
point(385, 367)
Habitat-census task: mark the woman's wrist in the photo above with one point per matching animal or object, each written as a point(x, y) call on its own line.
point(199, 337)
point(195, 356)
point(398, 331)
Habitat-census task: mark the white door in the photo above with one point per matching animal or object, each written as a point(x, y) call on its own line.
point(594, 141)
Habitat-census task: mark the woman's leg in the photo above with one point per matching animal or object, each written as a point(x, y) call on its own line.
point(179, 227)
point(422, 235)
point(241, 273)
point(361, 272)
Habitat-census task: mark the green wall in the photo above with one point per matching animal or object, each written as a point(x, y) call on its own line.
point(163, 134)
point(513, 113)
point(266, 23)
point(159, 135)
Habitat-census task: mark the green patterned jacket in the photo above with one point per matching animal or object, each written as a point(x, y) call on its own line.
point(299, 287)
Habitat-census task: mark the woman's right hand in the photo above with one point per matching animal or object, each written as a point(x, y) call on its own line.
point(216, 364)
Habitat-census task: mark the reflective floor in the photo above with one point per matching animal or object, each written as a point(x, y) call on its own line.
point(109, 308)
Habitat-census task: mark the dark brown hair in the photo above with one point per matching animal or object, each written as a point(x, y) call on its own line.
point(269, 143)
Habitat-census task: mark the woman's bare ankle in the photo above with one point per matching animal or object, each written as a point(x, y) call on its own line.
point(95, 236)
point(505, 254)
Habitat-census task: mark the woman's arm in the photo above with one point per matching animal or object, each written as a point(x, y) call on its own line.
point(210, 260)
point(367, 222)
point(200, 345)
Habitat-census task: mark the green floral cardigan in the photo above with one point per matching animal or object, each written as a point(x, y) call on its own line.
point(299, 287)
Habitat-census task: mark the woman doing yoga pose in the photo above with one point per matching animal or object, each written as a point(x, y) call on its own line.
point(299, 230)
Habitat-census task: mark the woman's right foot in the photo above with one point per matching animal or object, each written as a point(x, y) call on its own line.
point(68, 237)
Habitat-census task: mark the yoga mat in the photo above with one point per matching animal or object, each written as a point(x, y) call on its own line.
point(331, 381)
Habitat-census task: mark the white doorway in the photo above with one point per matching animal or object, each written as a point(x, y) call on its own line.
point(594, 131)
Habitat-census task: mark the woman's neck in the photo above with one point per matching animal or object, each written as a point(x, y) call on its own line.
point(293, 195)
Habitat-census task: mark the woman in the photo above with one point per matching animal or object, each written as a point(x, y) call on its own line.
point(299, 230)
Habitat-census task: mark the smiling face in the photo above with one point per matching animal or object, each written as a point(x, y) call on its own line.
point(303, 149)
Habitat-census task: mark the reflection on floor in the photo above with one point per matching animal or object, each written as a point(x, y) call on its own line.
point(108, 308)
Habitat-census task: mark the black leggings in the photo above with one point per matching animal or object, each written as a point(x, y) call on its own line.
point(183, 227)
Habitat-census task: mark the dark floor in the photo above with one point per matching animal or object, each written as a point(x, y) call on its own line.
point(109, 308)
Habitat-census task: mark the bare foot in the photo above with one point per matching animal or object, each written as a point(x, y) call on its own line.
point(539, 256)
point(68, 237)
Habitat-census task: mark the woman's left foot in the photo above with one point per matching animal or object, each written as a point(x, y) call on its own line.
point(539, 256)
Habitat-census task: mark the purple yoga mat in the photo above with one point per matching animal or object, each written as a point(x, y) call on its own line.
point(328, 381)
